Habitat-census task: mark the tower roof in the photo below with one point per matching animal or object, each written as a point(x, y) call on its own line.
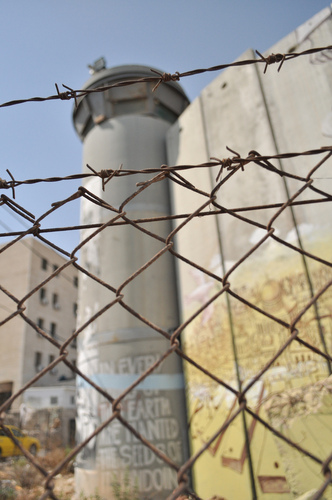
point(166, 103)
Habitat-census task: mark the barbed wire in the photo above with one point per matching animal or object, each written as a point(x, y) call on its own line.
point(230, 163)
point(70, 93)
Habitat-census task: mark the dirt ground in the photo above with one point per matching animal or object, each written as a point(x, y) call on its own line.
point(20, 480)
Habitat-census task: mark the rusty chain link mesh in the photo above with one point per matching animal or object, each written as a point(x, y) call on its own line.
point(209, 206)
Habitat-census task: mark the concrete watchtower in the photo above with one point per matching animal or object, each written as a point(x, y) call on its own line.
point(127, 125)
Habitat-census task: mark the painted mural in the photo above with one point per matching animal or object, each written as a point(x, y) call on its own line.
point(294, 395)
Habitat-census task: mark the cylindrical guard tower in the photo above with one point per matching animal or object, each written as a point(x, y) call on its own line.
point(127, 125)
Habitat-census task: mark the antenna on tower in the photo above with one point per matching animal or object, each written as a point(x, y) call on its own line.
point(98, 65)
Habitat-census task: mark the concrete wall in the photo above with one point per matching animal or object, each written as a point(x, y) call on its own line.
point(271, 113)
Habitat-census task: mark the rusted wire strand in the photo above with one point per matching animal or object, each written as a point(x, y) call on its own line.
point(70, 93)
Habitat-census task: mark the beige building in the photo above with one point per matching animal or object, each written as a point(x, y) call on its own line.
point(51, 307)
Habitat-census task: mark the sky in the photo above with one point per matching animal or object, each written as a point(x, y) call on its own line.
point(47, 42)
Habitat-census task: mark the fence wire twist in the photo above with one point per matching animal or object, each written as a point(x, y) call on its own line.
point(210, 206)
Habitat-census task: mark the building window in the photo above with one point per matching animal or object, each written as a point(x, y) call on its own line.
point(6, 390)
point(54, 370)
point(75, 309)
point(75, 281)
point(55, 301)
point(38, 361)
point(40, 323)
point(72, 400)
point(73, 362)
point(55, 267)
point(44, 264)
point(54, 400)
point(74, 341)
point(43, 296)
point(53, 330)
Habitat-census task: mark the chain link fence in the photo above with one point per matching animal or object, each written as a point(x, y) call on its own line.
point(312, 312)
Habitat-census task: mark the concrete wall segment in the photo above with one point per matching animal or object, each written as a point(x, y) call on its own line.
point(298, 100)
point(235, 115)
point(272, 113)
point(230, 112)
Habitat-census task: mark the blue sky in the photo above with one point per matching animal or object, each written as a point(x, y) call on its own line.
point(48, 41)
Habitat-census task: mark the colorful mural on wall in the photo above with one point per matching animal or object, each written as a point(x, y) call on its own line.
point(294, 395)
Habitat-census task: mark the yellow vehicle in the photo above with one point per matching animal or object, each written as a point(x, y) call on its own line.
point(8, 448)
